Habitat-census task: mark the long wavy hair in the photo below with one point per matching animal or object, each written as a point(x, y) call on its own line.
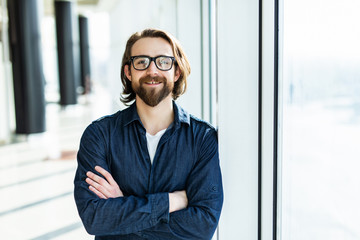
point(181, 63)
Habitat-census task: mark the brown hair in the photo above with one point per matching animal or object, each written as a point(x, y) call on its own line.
point(179, 54)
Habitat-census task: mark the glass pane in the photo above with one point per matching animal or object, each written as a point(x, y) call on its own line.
point(320, 169)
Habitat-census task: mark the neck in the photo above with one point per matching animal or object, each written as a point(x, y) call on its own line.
point(155, 118)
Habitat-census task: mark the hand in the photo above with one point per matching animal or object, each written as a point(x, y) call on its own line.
point(103, 188)
point(177, 201)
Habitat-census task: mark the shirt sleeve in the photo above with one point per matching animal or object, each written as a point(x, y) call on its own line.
point(114, 216)
point(205, 198)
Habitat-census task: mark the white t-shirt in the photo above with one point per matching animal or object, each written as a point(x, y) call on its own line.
point(152, 143)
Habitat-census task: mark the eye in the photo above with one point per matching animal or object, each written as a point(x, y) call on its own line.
point(141, 61)
point(164, 61)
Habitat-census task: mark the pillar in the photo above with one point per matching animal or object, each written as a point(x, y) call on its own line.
point(84, 54)
point(68, 52)
point(26, 58)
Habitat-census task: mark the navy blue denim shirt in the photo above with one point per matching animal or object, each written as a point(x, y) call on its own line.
point(186, 159)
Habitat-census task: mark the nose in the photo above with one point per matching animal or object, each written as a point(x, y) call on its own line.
point(152, 69)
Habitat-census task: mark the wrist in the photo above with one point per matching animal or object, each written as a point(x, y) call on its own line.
point(171, 202)
point(177, 201)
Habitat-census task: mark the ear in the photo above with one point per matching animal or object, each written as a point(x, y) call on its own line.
point(127, 71)
point(177, 73)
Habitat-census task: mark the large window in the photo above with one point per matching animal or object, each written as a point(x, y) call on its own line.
point(320, 181)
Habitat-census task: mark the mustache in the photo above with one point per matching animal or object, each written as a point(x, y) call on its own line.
point(150, 78)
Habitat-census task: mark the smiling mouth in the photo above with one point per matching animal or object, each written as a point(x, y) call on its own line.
point(152, 82)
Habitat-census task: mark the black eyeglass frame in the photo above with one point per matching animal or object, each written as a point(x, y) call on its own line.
point(154, 60)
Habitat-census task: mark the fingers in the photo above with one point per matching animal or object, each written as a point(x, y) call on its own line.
point(106, 174)
point(97, 178)
point(96, 185)
point(99, 194)
point(103, 188)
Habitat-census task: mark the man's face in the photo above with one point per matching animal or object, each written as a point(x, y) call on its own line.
point(152, 85)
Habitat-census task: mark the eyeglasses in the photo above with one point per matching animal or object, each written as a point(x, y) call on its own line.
point(163, 63)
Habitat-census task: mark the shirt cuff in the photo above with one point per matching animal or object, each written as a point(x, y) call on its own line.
point(159, 207)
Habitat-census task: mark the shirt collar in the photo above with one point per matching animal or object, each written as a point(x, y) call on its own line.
point(131, 115)
point(180, 115)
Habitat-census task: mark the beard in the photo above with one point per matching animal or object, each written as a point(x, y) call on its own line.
point(152, 97)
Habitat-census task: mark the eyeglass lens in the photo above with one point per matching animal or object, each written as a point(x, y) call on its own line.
point(161, 62)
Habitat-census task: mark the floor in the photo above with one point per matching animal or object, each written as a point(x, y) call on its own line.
point(36, 176)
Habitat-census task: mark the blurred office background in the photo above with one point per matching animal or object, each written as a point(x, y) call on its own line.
point(280, 79)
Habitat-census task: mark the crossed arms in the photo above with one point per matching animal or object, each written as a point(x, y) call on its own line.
point(191, 213)
point(108, 188)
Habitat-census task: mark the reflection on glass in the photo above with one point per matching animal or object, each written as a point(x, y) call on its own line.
point(321, 120)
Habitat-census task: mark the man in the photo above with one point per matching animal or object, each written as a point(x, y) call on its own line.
point(152, 170)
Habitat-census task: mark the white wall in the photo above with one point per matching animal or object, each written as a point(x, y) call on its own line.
point(4, 125)
point(189, 34)
point(7, 106)
point(238, 116)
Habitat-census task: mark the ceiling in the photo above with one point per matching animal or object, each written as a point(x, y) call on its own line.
point(83, 6)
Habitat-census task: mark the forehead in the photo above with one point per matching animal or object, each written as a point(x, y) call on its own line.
point(152, 47)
